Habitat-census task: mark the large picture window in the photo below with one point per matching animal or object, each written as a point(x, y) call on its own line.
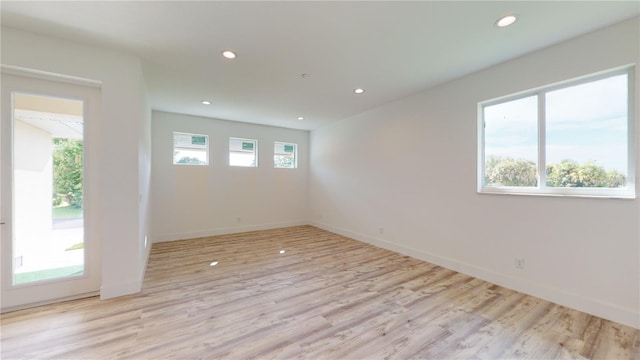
point(575, 138)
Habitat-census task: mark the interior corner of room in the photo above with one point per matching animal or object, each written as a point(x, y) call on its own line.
point(400, 173)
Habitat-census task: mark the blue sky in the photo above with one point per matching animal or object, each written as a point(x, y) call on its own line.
point(587, 122)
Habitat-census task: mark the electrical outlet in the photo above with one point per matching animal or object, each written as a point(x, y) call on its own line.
point(381, 231)
point(238, 219)
point(519, 263)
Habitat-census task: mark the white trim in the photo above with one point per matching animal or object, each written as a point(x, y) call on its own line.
point(45, 75)
point(143, 269)
point(542, 140)
point(195, 149)
point(117, 290)
point(480, 148)
point(628, 192)
point(254, 151)
point(113, 291)
point(613, 312)
point(48, 302)
point(604, 193)
point(17, 80)
point(633, 143)
point(226, 231)
point(295, 154)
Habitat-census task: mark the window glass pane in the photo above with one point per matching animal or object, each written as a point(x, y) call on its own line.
point(190, 149)
point(511, 143)
point(284, 155)
point(586, 134)
point(243, 152)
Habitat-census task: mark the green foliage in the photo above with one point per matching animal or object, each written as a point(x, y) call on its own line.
point(571, 174)
point(66, 212)
point(506, 171)
point(510, 172)
point(27, 277)
point(616, 179)
point(67, 172)
point(189, 160)
point(77, 246)
point(283, 161)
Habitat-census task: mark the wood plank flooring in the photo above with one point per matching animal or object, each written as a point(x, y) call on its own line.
point(326, 297)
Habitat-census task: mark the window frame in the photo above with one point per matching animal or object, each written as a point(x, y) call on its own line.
point(174, 147)
point(628, 192)
point(255, 151)
point(295, 154)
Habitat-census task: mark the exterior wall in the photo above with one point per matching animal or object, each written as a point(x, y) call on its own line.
point(32, 188)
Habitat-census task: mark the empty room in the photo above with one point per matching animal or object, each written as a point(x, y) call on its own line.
point(320, 180)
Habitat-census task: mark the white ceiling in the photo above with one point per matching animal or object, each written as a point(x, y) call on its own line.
point(392, 49)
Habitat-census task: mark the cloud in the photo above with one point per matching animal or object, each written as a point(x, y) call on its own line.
point(586, 122)
point(593, 101)
point(612, 124)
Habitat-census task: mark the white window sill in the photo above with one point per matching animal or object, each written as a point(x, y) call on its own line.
point(561, 192)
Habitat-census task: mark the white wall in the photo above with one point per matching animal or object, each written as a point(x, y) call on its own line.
point(195, 201)
point(144, 184)
point(409, 167)
point(122, 130)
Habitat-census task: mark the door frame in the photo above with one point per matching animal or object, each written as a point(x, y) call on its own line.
point(17, 80)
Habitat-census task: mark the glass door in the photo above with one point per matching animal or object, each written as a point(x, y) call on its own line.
point(48, 252)
point(48, 227)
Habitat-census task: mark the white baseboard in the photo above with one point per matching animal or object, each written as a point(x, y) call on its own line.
point(226, 231)
point(143, 270)
point(109, 292)
point(47, 302)
point(613, 312)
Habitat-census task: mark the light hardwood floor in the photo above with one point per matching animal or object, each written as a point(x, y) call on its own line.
point(326, 297)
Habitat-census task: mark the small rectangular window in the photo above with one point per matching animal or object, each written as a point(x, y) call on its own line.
point(243, 152)
point(285, 155)
point(574, 138)
point(190, 149)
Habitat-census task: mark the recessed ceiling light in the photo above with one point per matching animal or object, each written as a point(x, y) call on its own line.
point(229, 54)
point(213, 263)
point(206, 102)
point(358, 91)
point(506, 20)
point(300, 117)
point(282, 251)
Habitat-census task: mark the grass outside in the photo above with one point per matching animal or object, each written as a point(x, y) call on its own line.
point(75, 247)
point(48, 274)
point(66, 212)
